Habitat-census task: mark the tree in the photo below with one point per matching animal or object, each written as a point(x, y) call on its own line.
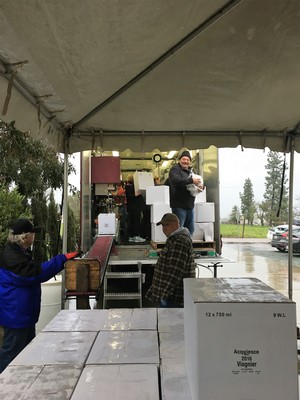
point(53, 219)
point(261, 211)
point(247, 202)
point(73, 221)
point(234, 217)
point(273, 184)
point(297, 209)
point(31, 168)
point(39, 214)
point(12, 208)
point(28, 163)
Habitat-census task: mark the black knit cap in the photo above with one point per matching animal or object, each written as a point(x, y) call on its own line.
point(185, 153)
point(23, 225)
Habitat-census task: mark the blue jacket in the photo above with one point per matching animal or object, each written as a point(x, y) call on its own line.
point(20, 285)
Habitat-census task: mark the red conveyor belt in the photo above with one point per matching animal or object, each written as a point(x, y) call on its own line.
point(101, 249)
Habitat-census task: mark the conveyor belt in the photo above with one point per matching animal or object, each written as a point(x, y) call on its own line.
point(101, 250)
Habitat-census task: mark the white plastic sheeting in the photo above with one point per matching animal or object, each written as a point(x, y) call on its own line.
point(144, 74)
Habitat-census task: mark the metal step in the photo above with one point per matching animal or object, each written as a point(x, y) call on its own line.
point(122, 296)
point(123, 275)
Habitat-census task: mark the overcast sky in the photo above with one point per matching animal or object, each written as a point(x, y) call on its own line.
point(235, 167)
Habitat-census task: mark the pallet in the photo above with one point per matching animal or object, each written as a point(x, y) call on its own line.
point(197, 245)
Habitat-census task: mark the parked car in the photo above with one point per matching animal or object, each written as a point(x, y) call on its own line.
point(275, 230)
point(281, 240)
point(296, 242)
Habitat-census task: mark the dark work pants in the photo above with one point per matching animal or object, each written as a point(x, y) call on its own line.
point(134, 222)
point(14, 341)
point(146, 224)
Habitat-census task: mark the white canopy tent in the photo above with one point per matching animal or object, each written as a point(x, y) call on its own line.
point(145, 74)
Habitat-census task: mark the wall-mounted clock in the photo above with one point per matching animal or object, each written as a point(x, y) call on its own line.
point(157, 158)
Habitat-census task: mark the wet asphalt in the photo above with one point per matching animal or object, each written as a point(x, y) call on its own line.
point(256, 258)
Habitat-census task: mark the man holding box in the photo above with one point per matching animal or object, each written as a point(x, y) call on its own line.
point(181, 199)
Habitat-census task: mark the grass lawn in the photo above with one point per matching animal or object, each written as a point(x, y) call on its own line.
point(251, 231)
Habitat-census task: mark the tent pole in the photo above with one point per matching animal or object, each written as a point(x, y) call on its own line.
point(290, 238)
point(65, 222)
point(65, 206)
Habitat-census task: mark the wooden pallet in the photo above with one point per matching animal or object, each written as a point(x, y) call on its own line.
point(197, 245)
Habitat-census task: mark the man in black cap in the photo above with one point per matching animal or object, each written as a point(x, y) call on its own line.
point(175, 262)
point(20, 288)
point(181, 200)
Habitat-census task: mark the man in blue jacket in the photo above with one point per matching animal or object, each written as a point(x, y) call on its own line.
point(20, 288)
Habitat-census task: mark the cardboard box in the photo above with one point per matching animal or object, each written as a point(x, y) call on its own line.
point(107, 224)
point(198, 232)
point(205, 212)
point(201, 197)
point(118, 382)
point(55, 348)
point(206, 229)
point(142, 180)
point(158, 195)
point(157, 234)
point(240, 340)
point(133, 347)
point(157, 211)
point(71, 273)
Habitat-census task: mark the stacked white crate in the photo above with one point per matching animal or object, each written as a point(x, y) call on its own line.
point(158, 198)
point(201, 197)
point(204, 218)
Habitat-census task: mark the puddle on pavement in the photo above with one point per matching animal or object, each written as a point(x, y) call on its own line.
point(260, 260)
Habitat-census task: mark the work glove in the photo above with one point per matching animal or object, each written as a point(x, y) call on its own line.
point(74, 254)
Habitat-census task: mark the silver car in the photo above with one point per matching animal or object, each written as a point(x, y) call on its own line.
point(276, 230)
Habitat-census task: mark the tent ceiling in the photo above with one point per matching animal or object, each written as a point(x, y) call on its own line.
point(159, 74)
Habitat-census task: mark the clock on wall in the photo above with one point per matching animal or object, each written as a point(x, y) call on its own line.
point(157, 158)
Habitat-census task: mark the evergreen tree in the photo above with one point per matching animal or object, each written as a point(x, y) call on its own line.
point(28, 163)
point(12, 208)
point(273, 180)
point(54, 241)
point(261, 211)
point(39, 213)
point(73, 222)
point(247, 202)
point(72, 240)
point(234, 217)
point(32, 169)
